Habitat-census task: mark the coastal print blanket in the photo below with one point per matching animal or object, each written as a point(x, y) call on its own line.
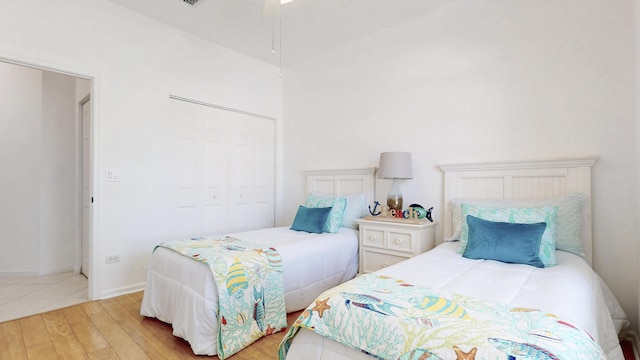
point(248, 278)
point(391, 319)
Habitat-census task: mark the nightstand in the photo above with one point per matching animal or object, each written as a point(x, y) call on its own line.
point(384, 243)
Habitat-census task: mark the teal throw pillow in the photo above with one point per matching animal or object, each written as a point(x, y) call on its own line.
point(311, 220)
point(502, 241)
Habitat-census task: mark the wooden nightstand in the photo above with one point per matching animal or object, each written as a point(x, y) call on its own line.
point(384, 243)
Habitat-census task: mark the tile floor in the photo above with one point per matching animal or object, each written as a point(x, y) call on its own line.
point(24, 296)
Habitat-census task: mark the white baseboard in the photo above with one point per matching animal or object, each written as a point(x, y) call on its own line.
point(122, 291)
point(38, 272)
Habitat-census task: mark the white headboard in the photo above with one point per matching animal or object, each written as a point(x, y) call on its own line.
point(520, 180)
point(342, 182)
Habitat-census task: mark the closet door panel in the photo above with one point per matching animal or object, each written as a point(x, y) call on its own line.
point(225, 170)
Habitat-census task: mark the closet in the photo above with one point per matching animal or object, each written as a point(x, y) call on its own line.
point(225, 170)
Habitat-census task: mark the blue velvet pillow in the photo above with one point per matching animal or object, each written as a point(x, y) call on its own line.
point(311, 220)
point(507, 242)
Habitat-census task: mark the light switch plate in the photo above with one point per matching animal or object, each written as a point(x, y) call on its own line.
point(112, 175)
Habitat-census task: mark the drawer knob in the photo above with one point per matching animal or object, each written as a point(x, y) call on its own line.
point(372, 237)
point(385, 264)
point(397, 241)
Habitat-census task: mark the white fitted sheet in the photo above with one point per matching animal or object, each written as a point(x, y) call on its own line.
point(182, 292)
point(570, 289)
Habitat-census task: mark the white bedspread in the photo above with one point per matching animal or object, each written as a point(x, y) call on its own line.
point(181, 291)
point(570, 289)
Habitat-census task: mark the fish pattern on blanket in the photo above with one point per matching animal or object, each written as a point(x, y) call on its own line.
point(249, 281)
point(388, 318)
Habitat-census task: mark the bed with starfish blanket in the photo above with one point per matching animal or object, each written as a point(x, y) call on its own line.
point(518, 244)
point(392, 319)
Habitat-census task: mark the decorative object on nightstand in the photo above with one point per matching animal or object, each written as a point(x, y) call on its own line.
point(415, 214)
point(422, 212)
point(395, 166)
point(386, 243)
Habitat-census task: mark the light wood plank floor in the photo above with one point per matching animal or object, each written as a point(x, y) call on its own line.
point(108, 329)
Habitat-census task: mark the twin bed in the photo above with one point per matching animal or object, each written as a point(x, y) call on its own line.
point(182, 292)
point(569, 289)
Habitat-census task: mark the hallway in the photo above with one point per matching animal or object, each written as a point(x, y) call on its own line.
point(24, 296)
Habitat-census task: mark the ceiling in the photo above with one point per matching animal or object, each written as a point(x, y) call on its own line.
point(309, 27)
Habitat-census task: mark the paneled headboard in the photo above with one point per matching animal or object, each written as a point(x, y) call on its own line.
point(520, 180)
point(342, 182)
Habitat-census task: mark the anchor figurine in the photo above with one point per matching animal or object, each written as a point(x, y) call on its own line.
point(373, 212)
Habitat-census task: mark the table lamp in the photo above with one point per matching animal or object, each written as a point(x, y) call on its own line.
point(395, 166)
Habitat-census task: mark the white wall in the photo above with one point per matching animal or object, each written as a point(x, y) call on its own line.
point(38, 137)
point(480, 80)
point(135, 63)
point(20, 157)
point(58, 182)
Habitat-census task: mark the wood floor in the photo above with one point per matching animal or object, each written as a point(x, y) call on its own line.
point(108, 329)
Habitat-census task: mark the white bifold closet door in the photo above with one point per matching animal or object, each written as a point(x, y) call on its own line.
point(225, 170)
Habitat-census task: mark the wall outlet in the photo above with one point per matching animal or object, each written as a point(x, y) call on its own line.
point(112, 259)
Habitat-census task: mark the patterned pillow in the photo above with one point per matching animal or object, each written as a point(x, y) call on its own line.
point(521, 215)
point(337, 204)
point(569, 221)
point(356, 208)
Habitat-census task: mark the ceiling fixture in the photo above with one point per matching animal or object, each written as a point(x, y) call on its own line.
point(274, 7)
point(191, 2)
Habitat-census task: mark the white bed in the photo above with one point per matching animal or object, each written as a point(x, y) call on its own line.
point(181, 291)
point(570, 289)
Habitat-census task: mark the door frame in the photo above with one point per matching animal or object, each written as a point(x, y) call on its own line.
point(93, 285)
point(80, 181)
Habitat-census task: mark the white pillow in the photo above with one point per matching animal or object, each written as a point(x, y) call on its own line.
point(569, 217)
point(356, 208)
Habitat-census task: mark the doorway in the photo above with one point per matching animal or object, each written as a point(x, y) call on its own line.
point(47, 152)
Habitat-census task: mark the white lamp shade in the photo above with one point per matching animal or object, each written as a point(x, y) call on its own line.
point(395, 165)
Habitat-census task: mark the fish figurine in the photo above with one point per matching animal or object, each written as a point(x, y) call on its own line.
point(236, 279)
point(516, 350)
point(429, 216)
point(369, 302)
point(442, 306)
point(258, 308)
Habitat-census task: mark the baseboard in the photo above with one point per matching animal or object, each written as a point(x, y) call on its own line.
point(38, 272)
point(122, 291)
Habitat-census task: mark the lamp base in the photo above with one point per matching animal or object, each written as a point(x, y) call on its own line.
point(394, 199)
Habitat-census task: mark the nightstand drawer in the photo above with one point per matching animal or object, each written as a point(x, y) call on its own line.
point(399, 241)
point(373, 260)
point(373, 238)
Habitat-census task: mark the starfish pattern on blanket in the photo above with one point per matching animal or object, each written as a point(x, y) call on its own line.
point(321, 306)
